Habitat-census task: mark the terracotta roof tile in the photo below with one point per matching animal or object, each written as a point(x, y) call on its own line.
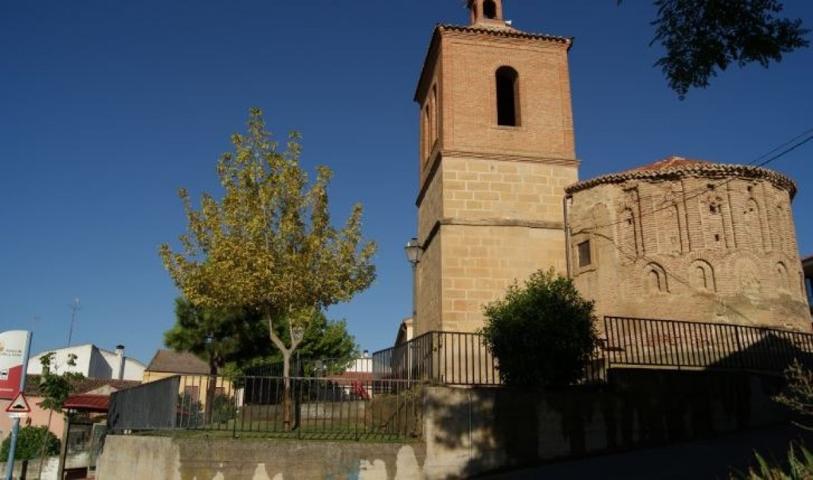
point(679, 167)
point(670, 162)
point(504, 32)
point(91, 403)
point(177, 362)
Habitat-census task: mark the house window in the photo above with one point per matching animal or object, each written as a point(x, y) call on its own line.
point(585, 256)
point(191, 394)
point(507, 97)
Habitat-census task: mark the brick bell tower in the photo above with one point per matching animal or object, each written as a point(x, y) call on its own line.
point(496, 151)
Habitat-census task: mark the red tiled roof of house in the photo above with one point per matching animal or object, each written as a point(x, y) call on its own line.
point(32, 385)
point(88, 403)
point(169, 361)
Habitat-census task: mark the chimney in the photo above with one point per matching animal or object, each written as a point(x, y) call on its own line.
point(118, 370)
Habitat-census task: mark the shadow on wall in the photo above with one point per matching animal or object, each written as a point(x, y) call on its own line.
point(472, 431)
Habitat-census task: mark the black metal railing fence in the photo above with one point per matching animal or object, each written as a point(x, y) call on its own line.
point(382, 400)
point(449, 358)
point(341, 407)
point(682, 344)
point(455, 358)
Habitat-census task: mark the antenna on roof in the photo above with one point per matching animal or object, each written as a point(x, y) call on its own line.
point(74, 311)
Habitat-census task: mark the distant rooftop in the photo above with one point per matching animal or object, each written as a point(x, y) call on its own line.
point(85, 385)
point(169, 361)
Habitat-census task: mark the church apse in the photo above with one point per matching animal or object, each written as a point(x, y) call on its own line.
point(690, 240)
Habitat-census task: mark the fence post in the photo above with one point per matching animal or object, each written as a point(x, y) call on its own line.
point(740, 359)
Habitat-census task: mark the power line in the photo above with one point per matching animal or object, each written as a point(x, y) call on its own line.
point(698, 192)
point(75, 307)
point(759, 158)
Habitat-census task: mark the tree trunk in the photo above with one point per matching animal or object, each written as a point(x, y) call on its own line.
point(211, 387)
point(286, 391)
point(63, 450)
point(286, 373)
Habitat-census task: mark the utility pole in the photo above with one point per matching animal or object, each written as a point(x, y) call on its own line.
point(15, 426)
point(75, 307)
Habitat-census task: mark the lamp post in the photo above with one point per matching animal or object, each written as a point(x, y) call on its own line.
point(413, 253)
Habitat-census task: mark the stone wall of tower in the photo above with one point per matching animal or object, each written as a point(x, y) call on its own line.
point(490, 208)
point(502, 221)
point(691, 247)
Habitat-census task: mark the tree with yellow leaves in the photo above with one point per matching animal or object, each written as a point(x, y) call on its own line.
point(268, 244)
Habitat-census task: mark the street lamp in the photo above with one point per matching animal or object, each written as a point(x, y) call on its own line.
point(413, 251)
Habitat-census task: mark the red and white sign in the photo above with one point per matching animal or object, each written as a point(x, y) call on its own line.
point(12, 358)
point(19, 406)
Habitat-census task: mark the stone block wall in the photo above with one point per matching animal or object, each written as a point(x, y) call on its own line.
point(485, 224)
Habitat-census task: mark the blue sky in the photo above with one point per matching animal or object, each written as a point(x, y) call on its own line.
point(106, 108)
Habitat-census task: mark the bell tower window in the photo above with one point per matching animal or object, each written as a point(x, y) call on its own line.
point(507, 97)
point(486, 11)
point(490, 9)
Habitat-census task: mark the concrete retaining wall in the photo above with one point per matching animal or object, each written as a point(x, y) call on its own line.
point(471, 431)
point(163, 458)
point(49, 468)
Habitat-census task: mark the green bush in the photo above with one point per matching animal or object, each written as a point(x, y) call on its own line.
point(799, 467)
point(542, 334)
point(29, 444)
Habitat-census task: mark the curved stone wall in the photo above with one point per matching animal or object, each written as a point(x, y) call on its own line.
point(704, 242)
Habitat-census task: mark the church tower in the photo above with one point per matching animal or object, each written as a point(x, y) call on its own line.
point(496, 152)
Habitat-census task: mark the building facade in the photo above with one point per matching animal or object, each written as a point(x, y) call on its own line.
point(689, 240)
point(92, 362)
point(496, 152)
point(499, 199)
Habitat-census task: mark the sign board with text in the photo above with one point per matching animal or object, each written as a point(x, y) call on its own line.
point(12, 358)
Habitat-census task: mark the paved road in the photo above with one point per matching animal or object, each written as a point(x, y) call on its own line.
point(711, 459)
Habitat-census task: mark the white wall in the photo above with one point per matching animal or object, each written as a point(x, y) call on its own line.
point(59, 364)
point(91, 362)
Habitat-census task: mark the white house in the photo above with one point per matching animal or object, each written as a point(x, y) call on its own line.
point(92, 362)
